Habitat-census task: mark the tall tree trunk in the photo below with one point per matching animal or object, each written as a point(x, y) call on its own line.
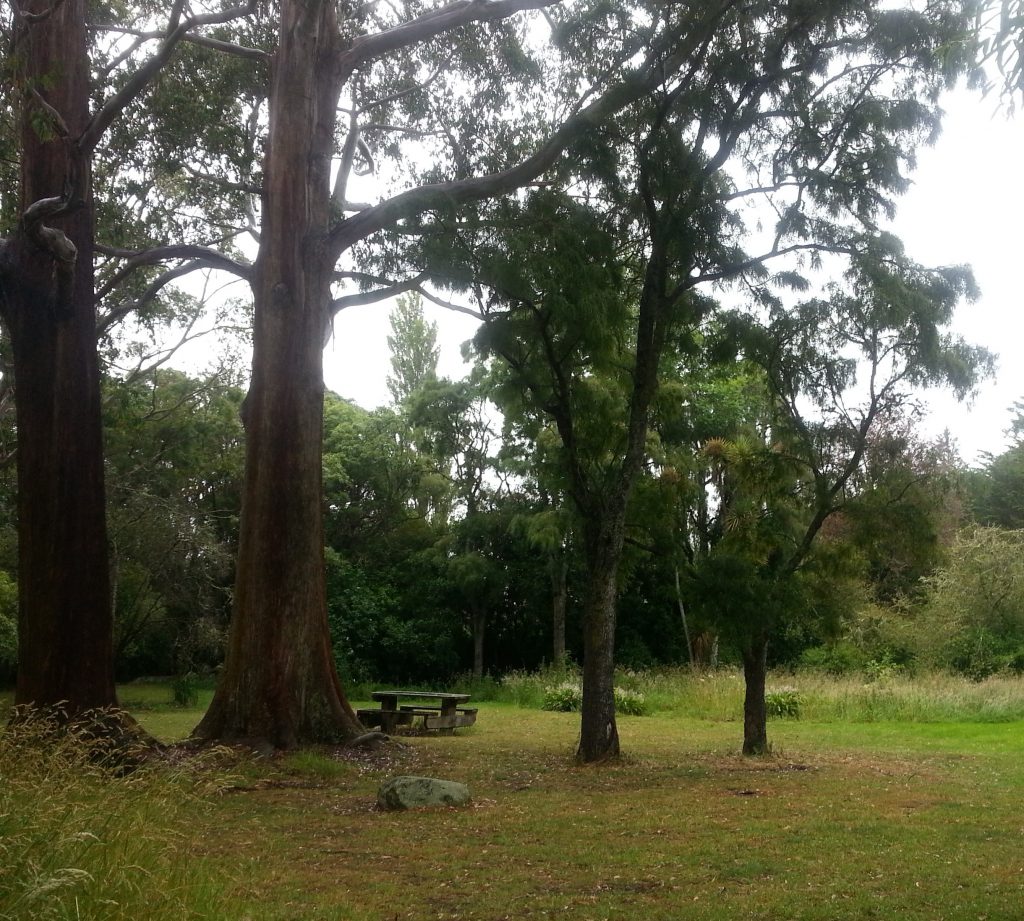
point(599, 735)
point(755, 712)
point(279, 684)
point(559, 601)
point(604, 518)
point(65, 623)
point(479, 616)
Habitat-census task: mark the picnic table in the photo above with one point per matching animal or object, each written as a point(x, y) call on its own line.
point(446, 715)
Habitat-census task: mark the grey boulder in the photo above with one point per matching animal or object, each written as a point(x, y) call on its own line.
point(413, 792)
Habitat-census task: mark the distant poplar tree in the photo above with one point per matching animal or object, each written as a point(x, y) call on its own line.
point(414, 349)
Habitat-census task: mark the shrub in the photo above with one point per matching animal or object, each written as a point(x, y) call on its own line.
point(842, 658)
point(783, 702)
point(631, 703)
point(563, 698)
point(185, 690)
point(882, 669)
point(567, 697)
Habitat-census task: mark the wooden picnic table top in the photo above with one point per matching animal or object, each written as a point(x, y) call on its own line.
point(434, 695)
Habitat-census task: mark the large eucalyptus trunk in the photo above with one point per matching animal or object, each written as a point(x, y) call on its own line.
point(279, 684)
point(65, 623)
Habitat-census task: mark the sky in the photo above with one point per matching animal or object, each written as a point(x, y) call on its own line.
point(966, 206)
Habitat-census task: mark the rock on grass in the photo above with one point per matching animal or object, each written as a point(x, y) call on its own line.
point(415, 792)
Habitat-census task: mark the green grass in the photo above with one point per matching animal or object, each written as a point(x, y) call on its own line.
point(893, 799)
point(845, 821)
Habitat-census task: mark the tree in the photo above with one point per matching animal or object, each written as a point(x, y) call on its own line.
point(997, 489)
point(974, 615)
point(414, 349)
point(279, 683)
point(174, 456)
point(910, 502)
point(453, 427)
point(47, 302)
point(885, 332)
point(814, 111)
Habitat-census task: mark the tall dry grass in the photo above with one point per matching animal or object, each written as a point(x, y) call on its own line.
point(81, 838)
point(886, 695)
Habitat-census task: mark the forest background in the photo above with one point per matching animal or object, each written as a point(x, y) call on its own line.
point(759, 412)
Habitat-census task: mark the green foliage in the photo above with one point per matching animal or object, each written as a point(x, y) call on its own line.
point(8, 625)
point(1000, 39)
point(975, 605)
point(839, 658)
point(631, 703)
point(185, 690)
point(910, 503)
point(414, 349)
point(783, 702)
point(567, 697)
point(997, 489)
point(174, 456)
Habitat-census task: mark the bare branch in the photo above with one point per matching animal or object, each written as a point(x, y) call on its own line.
point(55, 117)
point(177, 31)
point(114, 316)
point(401, 94)
point(348, 155)
point(389, 288)
point(202, 256)
point(652, 73)
point(240, 51)
point(462, 12)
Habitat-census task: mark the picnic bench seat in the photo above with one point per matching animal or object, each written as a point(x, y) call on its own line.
point(445, 716)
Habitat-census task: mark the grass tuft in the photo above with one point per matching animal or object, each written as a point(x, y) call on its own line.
point(79, 839)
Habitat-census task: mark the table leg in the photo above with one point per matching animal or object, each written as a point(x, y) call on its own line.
point(448, 708)
point(389, 715)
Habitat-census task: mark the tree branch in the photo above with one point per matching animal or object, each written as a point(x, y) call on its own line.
point(652, 73)
point(460, 13)
point(201, 256)
point(114, 316)
point(393, 289)
point(177, 31)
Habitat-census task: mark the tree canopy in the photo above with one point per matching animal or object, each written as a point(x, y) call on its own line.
point(695, 373)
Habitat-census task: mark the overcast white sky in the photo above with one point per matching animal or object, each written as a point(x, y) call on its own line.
point(966, 206)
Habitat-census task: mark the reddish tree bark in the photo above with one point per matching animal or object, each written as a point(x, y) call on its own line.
point(46, 297)
point(279, 683)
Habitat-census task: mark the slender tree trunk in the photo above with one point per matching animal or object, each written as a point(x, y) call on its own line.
point(559, 603)
point(599, 734)
point(65, 625)
point(755, 713)
point(479, 631)
point(279, 684)
point(604, 522)
point(682, 616)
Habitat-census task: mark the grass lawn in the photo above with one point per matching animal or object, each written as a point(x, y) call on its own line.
point(847, 820)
